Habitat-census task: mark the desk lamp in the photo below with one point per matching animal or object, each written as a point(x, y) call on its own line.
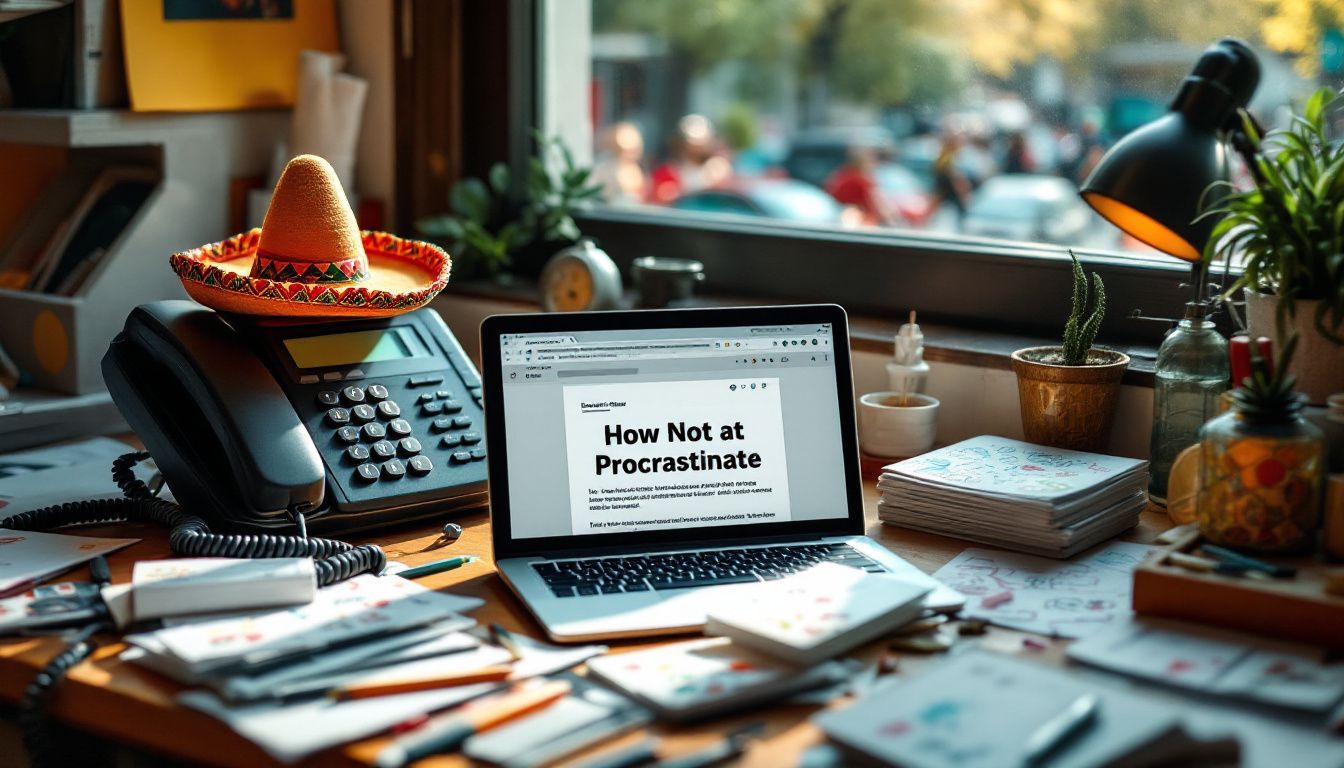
point(1153, 185)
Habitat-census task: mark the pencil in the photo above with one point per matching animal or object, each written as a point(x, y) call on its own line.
point(436, 567)
point(490, 674)
point(506, 640)
point(446, 732)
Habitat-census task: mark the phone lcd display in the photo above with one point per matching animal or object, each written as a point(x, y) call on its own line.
point(346, 348)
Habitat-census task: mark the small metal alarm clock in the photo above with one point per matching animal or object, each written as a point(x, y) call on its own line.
point(580, 277)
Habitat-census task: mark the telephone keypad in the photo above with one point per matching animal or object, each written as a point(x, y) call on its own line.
point(357, 452)
point(399, 427)
point(443, 394)
point(338, 417)
point(461, 457)
point(424, 381)
point(327, 399)
point(367, 472)
point(389, 409)
point(348, 434)
point(471, 438)
point(377, 392)
point(393, 468)
point(462, 422)
point(452, 406)
point(478, 454)
point(431, 409)
point(374, 431)
point(451, 441)
point(420, 465)
point(363, 412)
point(353, 394)
point(443, 424)
point(409, 445)
point(384, 449)
point(425, 397)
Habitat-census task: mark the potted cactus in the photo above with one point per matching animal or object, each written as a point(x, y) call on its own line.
point(1068, 393)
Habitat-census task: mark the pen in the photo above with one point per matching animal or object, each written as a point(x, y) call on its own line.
point(436, 567)
point(1250, 563)
point(488, 674)
point(446, 732)
point(1060, 728)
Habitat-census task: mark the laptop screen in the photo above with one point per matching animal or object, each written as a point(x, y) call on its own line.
point(624, 431)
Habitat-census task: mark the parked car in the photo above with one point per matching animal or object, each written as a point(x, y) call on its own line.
point(775, 198)
point(905, 192)
point(814, 155)
point(1028, 207)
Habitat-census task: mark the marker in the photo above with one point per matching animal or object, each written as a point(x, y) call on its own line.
point(1249, 563)
point(1059, 729)
point(437, 567)
point(447, 732)
point(488, 674)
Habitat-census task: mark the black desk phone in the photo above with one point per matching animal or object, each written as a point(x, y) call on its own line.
point(353, 423)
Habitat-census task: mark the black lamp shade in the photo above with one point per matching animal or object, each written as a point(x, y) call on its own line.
point(1154, 183)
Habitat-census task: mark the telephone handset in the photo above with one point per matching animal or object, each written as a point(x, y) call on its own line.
point(353, 423)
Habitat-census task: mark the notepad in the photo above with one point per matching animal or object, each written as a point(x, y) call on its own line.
point(979, 709)
point(817, 613)
point(704, 678)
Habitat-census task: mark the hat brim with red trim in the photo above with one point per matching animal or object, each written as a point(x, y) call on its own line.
point(403, 275)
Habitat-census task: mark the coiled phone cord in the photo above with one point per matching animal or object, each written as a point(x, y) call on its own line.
point(190, 536)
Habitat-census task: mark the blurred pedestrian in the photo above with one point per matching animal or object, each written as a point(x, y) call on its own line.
point(619, 169)
point(1017, 157)
point(853, 185)
point(950, 185)
point(697, 162)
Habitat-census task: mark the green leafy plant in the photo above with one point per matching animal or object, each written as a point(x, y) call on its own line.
point(1083, 323)
point(1289, 228)
point(484, 229)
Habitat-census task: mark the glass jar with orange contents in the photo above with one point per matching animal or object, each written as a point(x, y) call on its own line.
point(1261, 478)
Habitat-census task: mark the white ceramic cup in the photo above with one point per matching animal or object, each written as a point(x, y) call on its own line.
point(894, 431)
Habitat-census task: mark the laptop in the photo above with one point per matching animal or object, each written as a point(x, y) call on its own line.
point(640, 460)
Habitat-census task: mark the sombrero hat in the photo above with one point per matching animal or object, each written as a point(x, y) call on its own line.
point(310, 259)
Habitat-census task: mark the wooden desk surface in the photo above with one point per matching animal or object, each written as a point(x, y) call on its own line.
point(128, 704)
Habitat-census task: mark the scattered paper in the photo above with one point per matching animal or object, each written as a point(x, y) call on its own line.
point(1076, 598)
point(362, 607)
point(27, 557)
point(288, 732)
point(54, 475)
point(1217, 661)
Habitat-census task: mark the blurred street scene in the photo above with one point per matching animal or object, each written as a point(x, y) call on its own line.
point(967, 117)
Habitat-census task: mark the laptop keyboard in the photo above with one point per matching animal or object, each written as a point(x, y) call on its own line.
point(682, 570)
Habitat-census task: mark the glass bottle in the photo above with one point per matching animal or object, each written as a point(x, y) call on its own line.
point(1261, 476)
point(1191, 374)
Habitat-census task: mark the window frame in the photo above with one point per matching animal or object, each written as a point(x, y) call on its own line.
point(1019, 288)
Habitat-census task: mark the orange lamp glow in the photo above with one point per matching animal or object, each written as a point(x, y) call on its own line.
point(1141, 227)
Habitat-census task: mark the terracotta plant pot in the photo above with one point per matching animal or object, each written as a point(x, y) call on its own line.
point(1068, 406)
point(1318, 362)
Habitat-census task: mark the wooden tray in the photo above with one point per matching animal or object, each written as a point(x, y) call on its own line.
point(1295, 609)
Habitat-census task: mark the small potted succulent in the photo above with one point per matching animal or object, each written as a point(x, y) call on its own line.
point(1068, 393)
point(1287, 232)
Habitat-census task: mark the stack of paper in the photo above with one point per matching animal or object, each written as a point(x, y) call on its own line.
point(816, 614)
point(343, 615)
point(1016, 495)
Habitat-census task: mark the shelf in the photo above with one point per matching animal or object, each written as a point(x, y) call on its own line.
point(113, 127)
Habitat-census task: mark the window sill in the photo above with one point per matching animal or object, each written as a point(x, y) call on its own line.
point(956, 345)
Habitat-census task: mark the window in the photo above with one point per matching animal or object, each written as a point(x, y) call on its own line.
point(896, 153)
